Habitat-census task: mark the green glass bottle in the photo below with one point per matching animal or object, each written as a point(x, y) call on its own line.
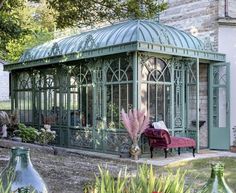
point(216, 183)
point(20, 176)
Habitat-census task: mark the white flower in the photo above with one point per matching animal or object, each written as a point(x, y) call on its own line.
point(47, 127)
point(42, 129)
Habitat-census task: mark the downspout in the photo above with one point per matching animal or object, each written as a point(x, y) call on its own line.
point(226, 8)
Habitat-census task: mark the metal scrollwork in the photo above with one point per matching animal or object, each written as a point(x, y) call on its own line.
point(89, 43)
point(143, 58)
point(114, 141)
point(55, 50)
point(165, 38)
point(82, 139)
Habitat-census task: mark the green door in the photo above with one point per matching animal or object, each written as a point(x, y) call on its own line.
point(219, 107)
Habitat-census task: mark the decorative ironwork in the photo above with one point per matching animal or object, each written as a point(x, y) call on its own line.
point(55, 50)
point(24, 81)
point(164, 37)
point(219, 75)
point(114, 140)
point(156, 89)
point(143, 58)
point(75, 97)
point(81, 96)
point(81, 138)
point(119, 75)
point(89, 43)
point(178, 82)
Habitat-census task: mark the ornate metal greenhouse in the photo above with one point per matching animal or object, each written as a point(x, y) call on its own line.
point(79, 85)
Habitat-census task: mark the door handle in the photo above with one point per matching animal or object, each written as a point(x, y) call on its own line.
point(227, 107)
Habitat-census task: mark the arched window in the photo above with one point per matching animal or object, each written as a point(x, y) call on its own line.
point(119, 90)
point(156, 89)
point(81, 97)
point(48, 96)
point(24, 97)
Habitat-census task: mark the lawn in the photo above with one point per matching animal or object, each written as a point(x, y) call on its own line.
point(199, 171)
point(5, 105)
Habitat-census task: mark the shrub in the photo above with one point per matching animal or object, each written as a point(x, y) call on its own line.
point(28, 134)
point(45, 135)
point(144, 182)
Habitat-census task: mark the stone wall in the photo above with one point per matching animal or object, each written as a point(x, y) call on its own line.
point(203, 104)
point(231, 8)
point(197, 17)
point(4, 84)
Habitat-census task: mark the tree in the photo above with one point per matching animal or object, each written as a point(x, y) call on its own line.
point(32, 23)
point(26, 23)
point(89, 12)
point(10, 26)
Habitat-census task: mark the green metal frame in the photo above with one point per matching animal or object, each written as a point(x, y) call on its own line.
point(103, 72)
point(219, 135)
point(183, 85)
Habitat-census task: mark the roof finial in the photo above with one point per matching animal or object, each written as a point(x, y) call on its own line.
point(158, 11)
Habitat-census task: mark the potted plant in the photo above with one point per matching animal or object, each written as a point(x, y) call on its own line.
point(135, 122)
point(233, 147)
point(46, 135)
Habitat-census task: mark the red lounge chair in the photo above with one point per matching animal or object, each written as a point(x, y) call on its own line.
point(160, 138)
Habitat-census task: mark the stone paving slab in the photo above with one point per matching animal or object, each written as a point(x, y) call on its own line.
point(161, 161)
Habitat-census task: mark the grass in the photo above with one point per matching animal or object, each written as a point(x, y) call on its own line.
point(5, 105)
point(198, 171)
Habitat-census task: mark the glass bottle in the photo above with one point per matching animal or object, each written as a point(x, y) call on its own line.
point(20, 176)
point(216, 183)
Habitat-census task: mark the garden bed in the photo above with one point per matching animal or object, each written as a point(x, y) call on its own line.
point(70, 170)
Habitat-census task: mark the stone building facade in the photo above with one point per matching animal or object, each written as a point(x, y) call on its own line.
point(4, 83)
point(214, 22)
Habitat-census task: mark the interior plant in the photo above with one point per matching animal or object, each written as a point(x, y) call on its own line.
point(145, 181)
point(135, 121)
point(27, 134)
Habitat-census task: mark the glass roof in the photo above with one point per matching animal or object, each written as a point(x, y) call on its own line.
point(116, 34)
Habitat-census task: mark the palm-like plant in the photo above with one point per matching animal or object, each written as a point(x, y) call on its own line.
point(135, 121)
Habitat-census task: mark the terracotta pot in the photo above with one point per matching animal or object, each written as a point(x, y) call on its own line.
point(233, 149)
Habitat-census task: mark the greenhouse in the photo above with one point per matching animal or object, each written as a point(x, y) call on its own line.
point(79, 84)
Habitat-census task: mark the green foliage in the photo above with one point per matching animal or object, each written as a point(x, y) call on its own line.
point(27, 23)
point(28, 134)
point(5, 105)
point(144, 182)
point(9, 22)
point(7, 189)
point(16, 47)
point(24, 25)
point(88, 12)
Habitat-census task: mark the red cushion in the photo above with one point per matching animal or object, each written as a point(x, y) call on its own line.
point(160, 138)
point(181, 142)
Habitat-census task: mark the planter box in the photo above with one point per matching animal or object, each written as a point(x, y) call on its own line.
point(233, 149)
